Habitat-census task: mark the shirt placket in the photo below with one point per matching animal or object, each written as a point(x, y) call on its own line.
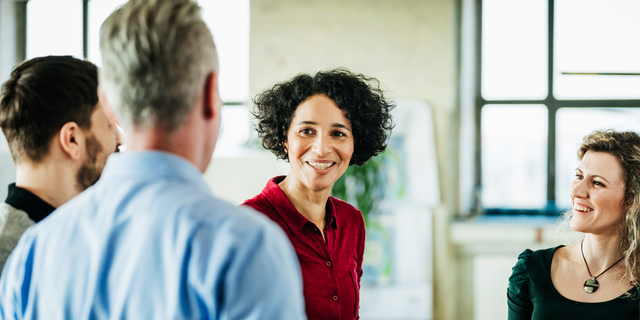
point(326, 249)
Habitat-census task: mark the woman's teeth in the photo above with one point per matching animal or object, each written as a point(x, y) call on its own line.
point(320, 165)
point(581, 208)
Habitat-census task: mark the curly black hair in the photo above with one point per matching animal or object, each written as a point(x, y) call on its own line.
point(358, 95)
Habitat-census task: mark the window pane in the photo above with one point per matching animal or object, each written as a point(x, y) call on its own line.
point(571, 126)
point(514, 49)
point(54, 28)
point(99, 10)
point(235, 130)
point(229, 23)
point(597, 36)
point(514, 156)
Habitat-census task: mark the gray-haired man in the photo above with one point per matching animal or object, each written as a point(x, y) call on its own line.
point(149, 241)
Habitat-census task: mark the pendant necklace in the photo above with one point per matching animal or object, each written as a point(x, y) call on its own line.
point(592, 285)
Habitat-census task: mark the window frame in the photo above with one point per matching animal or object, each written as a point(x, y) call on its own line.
point(552, 104)
point(21, 45)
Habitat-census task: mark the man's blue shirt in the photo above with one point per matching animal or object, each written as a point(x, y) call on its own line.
point(149, 241)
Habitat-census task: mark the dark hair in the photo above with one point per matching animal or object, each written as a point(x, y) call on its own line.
point(42, 95)
point(358, 95)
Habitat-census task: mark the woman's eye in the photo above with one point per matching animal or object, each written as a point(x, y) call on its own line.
point(339, 134)
point(578, 176)
point(598, 183)
point(306, 131)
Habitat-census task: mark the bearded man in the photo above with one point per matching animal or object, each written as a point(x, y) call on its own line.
point(59, 136)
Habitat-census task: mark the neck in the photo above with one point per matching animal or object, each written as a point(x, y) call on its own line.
point(310, 203)
point(53, 182)
point(601, 252)
point(179, 142)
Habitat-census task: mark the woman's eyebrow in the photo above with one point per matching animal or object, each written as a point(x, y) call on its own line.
point(594, 175)
point(601, 177)
point(340, 125)
point(336, 125)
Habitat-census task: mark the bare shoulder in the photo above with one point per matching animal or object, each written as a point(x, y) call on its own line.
point(566, 252)
point(563, 257)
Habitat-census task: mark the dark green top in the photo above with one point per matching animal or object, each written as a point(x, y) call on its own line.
point(531, 295)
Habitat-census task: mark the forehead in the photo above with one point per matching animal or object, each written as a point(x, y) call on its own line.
point(320, 107)
point(603, 164)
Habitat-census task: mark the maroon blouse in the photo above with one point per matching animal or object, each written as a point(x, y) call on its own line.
point(331, 270)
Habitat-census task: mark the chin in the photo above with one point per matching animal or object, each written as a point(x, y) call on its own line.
point(577, 225)
point(320, 185)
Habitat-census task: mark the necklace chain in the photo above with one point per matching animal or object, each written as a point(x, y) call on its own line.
point(587, 265)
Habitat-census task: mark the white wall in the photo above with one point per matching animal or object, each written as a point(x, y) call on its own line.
point(237, 179)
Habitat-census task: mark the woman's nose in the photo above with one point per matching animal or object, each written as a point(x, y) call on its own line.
point(321, 145)
point(579, 189)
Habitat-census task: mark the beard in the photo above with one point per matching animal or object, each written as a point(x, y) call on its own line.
point(90, 172)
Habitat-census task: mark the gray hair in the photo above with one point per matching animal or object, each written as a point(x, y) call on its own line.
point(156, 55)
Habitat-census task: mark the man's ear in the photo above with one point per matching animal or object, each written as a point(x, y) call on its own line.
point(71, 138)
point(102, 97)
point(211, 96)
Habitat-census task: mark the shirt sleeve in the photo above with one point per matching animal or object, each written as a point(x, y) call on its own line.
point(361, 242)
point(520, 305)
point(359, 261)
point(264, 280)
point(16, 279)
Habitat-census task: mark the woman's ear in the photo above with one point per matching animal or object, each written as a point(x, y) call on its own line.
point(71, 138)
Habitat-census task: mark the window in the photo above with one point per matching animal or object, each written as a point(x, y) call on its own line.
point(48, 33)
point(548, 73)
point(78, 34)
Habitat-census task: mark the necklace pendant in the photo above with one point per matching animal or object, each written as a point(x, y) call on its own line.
point(591, 285)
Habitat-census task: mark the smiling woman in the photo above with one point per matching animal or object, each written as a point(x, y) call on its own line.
point(322, 124)
point(596, 278)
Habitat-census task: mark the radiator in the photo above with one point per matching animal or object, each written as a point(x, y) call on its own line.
point(490, 281)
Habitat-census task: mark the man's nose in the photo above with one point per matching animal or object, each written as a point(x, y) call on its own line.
point(117, 131)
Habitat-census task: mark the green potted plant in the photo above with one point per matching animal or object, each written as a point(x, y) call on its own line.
point(368, 187)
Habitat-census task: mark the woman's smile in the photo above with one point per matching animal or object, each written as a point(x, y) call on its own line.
point(319, 144)
point(321, 165)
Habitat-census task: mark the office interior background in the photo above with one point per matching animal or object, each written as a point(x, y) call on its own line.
point(494, 97)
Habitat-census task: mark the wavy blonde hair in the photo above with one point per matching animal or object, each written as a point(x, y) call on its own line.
point(625, 146)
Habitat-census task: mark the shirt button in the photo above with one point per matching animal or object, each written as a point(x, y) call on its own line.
point(335, 298)
point(328, 263)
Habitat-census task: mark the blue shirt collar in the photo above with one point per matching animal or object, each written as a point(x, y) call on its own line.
point(151, 165)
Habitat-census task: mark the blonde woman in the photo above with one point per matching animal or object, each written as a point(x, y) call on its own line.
point(597, 277)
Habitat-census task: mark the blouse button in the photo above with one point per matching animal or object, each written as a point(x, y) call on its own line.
point(328, 263)
point(335, 298)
